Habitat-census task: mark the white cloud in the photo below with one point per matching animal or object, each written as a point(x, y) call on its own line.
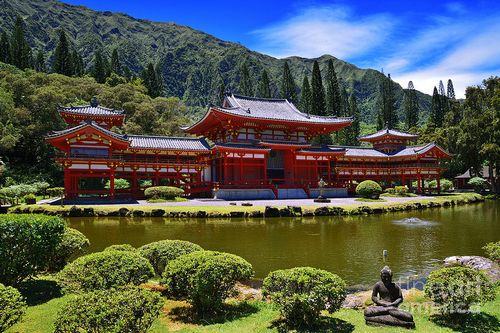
point(324, 30)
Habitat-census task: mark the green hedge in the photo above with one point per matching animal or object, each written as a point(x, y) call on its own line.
point(162, 252)
point(55, 191)
point(12, 307)
point(369, 189)
point(301, 293)
point(27, 245)
point(492, 250)
point(73, 244)
point(163, 192)
point(131, 310)
point(105, 270)
point(121, 247)
point(205, 278)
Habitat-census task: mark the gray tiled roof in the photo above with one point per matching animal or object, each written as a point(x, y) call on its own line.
point(323, 149)
point(85, 124)
point(364, 152)
point(275, 109)
point(170, 143)
point(389, 132)
point(91, 110)
point(240, 146)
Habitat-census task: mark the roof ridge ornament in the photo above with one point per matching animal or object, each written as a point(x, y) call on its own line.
point(94, 102)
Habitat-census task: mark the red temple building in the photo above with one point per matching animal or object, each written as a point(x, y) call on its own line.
point(248, 148)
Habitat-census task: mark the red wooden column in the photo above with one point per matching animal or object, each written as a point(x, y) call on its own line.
point(112, 182)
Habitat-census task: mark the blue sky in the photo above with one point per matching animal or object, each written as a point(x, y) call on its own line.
point(423, 41)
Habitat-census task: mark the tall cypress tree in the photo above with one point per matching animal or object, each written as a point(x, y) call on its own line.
point(160, 87)
point(437, 110)
point(245, 84)
point(5, 54)
point(354, 130)
point(40, 62)
point(387, 106)
point(450, 92)
point(77, 62)
point(153, 80)
point(116, 66)
point(99, 72)
point(264, 87)
point(305, 96)
point(334, 105)
point(317, 92)
point(63, 62)
point(288, 87)
point(441, 88)
point(410, 104)
point(20, 49)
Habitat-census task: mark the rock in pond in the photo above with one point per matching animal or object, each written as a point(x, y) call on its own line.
point(485, 265)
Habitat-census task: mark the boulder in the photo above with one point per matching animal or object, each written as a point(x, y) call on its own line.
point(322, 211)
point(157, 212)
point(75, 212)
point(123, 211)
point(271, 212)
point(485, 265)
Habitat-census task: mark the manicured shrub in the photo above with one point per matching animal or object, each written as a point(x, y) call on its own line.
point(41, 187)
point(30, 199)
point(205, 278)
point(105, 270)
point(55, 192)
point(12, 307)
point(163, 192)
point(120, 184)
point(27, 243)
point(479, 184)
point(131, 310)
point(121, 247)
point(401, 190)
point(444, 184)
point(456, 288)
point(301, 293)
point(369, 189)
point(162, 252)
point(73, 243)
point(390, 190)
point(492, 250)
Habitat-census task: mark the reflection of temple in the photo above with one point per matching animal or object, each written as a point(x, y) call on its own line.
point(247, 148)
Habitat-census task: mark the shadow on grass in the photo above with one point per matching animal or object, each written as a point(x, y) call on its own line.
point(39, 291)
point(324, 325)
point(230, 312)
point(468, 323)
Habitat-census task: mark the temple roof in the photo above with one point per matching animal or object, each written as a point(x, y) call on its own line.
point(91, 110)
point(84, 124)
point(388, 132)
point(405, 152)
point(169, 143)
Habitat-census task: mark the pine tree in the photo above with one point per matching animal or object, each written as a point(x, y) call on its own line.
point(450, 93)
point(353, 130)
point(77, 61)
point(317, 92)
point(160, 87)
point(245, 84)
point(387, 107)
point(264, 87)
point(40, 62)
point(20, 50)
point(410, 104)
point(441, 88)
point(220, 93)
point(5, 54)
point(115, 63)
point(345, 102)
point(99, 72)
point(334, 105)
point(63, 62)
point(437, 110)
point(153, 80)
point(305, 96)
point(288, 87)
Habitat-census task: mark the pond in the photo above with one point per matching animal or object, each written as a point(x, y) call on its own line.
point(352, 247)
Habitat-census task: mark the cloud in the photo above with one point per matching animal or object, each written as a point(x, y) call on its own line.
point(319, 30)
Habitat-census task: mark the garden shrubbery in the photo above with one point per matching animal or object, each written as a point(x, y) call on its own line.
point(121, 247)
point(105, 270)
point(12, 307)
point(55, 192)
point(301, 293)
point(163, 192)
point(479, 184)
point(27, 245)
point(162, 252)
point(456, 289)
point(205, 278)
point(73, 243)
point(492, 250)
point(369, 189)
point(131, 310)
point(444, 184)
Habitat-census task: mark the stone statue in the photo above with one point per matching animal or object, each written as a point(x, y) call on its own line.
point(387, 296)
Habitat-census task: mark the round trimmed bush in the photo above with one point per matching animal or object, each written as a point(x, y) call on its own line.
point(163, 192)
point(162, 252)
point(121, 247)
point(369, 189)
point(12, 307)
point(130, 310)
point(455, 289)
point(401, 190)
point(73, 243)
point(105, 270)
point(492, 250)
point(55, 191)
point(479, 184)
point(301, 293)
point(27, 244)
point(205, 278)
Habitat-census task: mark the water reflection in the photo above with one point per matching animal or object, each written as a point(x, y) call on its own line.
point(414, 222)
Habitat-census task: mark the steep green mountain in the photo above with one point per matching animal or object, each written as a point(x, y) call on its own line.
point(192, 62)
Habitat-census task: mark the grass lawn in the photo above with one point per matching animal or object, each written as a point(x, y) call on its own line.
point(257, 316)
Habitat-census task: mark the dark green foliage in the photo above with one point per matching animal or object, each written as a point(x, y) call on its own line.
point(410, 104)
point(63, 61)
point(205, 278)
point(100, 70)
point(162, 252)
point(456, 289)
point(301, 293)
point(441, 88)
point(305, 96)
point(317, 92)
point(437, 109)
point(153, 80)
point(12, 307)
point(352, 132)
point(121, 247)
point(163, 192)
point(55, 192)
point(288, 87)
point(39, 64)
point(245, 86)
point(73, 243)
point(77, 63)
point(131, 310)
point(492, 251)
point(450, 91)
point(264, 88)
point(27, 244)
point(116, 66)
point(387, 116)
point(20, 50)
point(334, 105)
point(105, 270)
point(369, 189)
point(5, 53)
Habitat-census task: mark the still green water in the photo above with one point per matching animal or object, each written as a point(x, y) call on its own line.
point(352, 247)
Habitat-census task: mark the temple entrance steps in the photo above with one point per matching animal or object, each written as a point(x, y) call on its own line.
point(292, 193)
point(245, 194)
point(336, 192)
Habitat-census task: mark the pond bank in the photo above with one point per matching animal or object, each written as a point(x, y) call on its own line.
point(278, 209)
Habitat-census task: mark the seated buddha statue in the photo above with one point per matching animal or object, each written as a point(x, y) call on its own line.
point(387, 296)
